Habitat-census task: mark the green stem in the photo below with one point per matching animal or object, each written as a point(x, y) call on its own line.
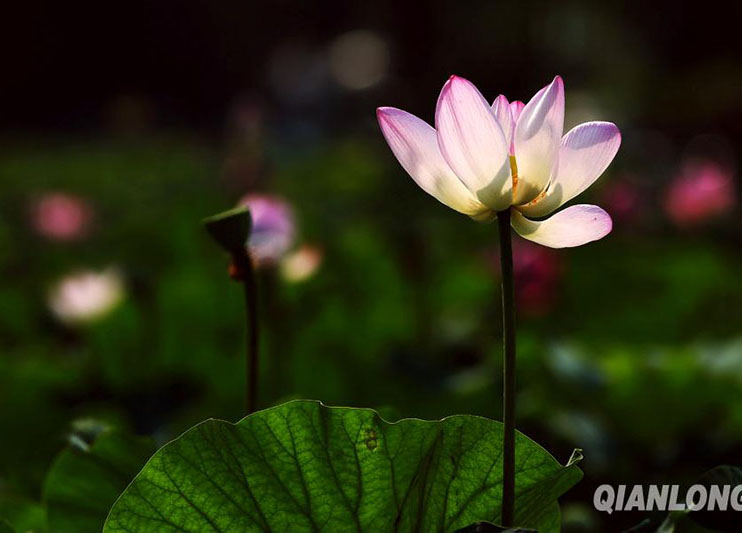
point(247, 273)
point(508, 330)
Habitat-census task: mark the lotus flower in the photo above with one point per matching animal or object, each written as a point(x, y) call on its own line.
point(481, 159)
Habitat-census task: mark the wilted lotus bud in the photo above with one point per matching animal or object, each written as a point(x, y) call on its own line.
point(86, 296)
point(61, 216)
point(301, 264)
point(702, 190)
point(273, 228)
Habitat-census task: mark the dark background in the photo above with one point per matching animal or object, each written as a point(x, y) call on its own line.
point(65, 62)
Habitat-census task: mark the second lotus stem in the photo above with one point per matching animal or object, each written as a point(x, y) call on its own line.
point(245, 272)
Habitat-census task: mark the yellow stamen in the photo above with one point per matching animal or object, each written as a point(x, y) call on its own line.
point(514, 172)
point(537, 199)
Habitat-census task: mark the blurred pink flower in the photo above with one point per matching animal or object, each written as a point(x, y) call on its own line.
point(273, 230)
point(537, 272)
point(86, 295)
point(702, 190)
point(61, 216)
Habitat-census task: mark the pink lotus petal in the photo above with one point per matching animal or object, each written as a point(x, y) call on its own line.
point(501, 109)
point(415, 146)
point(516, 108)
point(584, 154)
point(473, 143)
point(538, 134)
point(574, 226)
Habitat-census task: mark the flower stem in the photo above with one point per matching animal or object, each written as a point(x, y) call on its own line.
point(508, 329)
point(246, 270)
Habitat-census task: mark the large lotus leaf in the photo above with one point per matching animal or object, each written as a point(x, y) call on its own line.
point(303, 466)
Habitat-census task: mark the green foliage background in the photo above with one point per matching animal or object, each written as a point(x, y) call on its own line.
point(638, 362)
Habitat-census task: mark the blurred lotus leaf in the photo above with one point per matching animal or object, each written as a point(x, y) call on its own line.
point(86, 478)
point(719, 480)
point(21, 514)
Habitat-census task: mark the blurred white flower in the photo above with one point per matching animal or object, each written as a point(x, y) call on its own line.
point(359, 59)
point(273, 228)
point(301, 264)
point(86, 296)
